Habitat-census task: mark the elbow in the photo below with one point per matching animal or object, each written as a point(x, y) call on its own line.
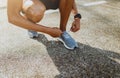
point(11, 17)
point(11, 20)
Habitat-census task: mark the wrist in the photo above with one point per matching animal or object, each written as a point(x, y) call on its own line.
point(77, 19)
point(78, 16)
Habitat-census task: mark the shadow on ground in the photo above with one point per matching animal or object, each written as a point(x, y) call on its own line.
point(84, 62)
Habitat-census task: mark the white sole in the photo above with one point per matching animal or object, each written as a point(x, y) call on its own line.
point(65, 44)
point(32, 36)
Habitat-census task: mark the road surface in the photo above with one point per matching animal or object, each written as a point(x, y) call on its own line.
point(98, 55)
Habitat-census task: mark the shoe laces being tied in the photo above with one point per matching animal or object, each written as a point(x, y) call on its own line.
point(69, 41)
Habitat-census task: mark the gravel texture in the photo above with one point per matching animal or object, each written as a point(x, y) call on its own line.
point(98, 55)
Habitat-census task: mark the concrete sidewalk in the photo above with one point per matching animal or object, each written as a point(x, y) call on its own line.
point(98, 54)
point(3, 3)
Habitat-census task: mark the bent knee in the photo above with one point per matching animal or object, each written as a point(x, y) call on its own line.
point(35, 12)
point(34, 16)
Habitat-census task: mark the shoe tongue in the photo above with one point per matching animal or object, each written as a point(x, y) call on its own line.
point(67, 36)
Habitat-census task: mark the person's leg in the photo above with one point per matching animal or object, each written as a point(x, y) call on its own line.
point(34, 12)
point(65, 8)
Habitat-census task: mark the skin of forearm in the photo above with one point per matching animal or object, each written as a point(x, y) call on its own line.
point(18, 20)
point(74, 8)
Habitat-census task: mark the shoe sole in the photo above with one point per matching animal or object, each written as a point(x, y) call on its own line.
point(65, 44)
point(33, 36)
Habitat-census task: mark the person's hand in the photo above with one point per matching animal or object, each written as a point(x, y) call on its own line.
point(55, 32)
point(75, 25)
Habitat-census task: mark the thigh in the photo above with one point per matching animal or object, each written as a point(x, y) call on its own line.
point(51, 4)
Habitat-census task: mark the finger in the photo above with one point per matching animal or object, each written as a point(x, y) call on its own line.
point(73, 26)
point(75, 29)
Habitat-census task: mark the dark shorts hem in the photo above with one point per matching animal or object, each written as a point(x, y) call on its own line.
point(50, 4)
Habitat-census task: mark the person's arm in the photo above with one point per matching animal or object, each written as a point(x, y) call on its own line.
point(14, 8)
point(76, 23)
point(74, 8)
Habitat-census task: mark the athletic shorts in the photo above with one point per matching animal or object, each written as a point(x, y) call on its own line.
point(51, 4)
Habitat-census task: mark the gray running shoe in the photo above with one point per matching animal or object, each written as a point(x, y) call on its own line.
point(68, 41)
point(32, 34)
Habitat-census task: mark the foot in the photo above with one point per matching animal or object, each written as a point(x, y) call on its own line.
point(32, 34)
point(68, 41)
